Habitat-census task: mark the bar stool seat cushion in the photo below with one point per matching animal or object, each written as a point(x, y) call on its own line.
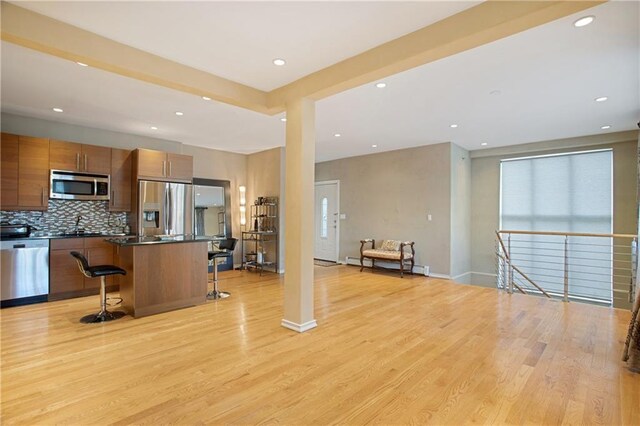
point(102, 270)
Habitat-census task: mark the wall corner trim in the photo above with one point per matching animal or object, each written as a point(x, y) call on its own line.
point(300, 328)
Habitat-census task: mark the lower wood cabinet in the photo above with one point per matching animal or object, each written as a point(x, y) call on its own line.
point(65, 278)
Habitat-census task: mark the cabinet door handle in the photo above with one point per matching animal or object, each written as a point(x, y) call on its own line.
point(43, 197)
point(77, 161)
point(164, 168)
point(169, 168)
point(85, 162)
point(113, 198)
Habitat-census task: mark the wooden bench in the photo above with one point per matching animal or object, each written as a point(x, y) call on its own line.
point(389, 251)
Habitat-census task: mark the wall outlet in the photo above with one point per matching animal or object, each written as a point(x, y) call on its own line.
point(425, 270)
point(429, 217)
point(343, 216)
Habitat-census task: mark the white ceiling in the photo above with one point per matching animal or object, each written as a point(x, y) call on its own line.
point(239, 40)
point(33, 83)
point(548, 78)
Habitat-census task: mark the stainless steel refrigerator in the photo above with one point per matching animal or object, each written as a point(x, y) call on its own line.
point(164, 208)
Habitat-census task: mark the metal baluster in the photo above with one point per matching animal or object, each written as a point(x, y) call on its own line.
point(510, 290)
point(566, 268)
point(634, 269)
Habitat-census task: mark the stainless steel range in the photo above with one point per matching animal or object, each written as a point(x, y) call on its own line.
point(24, 266)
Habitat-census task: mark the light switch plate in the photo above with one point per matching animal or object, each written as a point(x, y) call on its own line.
point(343, 216)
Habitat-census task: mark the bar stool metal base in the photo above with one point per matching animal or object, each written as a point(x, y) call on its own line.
point(101, 317)
point(216, 294)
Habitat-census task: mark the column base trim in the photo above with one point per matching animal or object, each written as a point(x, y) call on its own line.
point(300, 328)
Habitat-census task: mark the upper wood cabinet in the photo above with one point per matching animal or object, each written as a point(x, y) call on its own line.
point(9, 171)
point(33, 173)
point(180, 166)
point(120, 180)
point(77, 157)
point(160, 165)
point(25, 173)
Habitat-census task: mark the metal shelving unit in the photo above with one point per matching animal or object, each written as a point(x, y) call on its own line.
point(260, 244)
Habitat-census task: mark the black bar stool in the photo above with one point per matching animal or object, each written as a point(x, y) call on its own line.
point(102, 271)
point(226, 248)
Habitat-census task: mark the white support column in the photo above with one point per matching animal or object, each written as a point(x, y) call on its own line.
point(299, 236)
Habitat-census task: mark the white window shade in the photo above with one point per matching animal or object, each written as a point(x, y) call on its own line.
point(565, 193)
point(562, 193)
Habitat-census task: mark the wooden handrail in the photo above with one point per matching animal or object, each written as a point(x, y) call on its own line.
point(567, 234)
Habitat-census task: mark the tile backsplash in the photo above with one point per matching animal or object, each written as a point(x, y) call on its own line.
point(62, 215)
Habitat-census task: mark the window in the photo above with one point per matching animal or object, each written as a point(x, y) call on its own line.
point(323, 226)
point(565, 193)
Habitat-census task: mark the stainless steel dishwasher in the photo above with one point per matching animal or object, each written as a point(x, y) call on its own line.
point(25, 271)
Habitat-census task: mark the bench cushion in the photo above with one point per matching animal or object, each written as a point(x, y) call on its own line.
point(390, 245)
point(385, 254)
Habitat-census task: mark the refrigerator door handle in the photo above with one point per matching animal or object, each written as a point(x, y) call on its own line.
point(165, 203)
point(170, 209)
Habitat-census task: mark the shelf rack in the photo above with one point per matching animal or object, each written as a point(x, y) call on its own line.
point(260, 245)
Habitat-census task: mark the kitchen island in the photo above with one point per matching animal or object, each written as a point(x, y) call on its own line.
point(163, 274)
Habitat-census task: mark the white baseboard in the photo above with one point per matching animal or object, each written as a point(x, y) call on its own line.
point(417, 269)
point(300, 328)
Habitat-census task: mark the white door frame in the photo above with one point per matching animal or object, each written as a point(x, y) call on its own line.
point(337, 183)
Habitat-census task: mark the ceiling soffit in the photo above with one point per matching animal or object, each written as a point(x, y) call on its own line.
point(481, 24)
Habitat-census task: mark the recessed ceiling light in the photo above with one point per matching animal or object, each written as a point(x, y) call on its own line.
point(283, 119)
point(154, 128)
point(197, 193)
point(584, 21)
point(58, 109)
point(179, 113)
point(495, 93)
point(374, 146)
point(206, 98)
point(601, 99)
point(82, 64)
point(483, 144)
point(337, 135)
point(381, 85)
point(453, 126)
point(605, 127)
point(279, 62)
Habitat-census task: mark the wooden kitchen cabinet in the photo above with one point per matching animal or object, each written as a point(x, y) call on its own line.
point(9, 171)
point(180, 166)
point(76, 157)
point(158, 165)
point(98, 252)
point(65, 278)
point(33, 173)
point(64, 275)
point(120, 180)
point(96, 159)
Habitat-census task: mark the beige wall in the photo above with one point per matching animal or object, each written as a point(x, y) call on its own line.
point(265, 178)
point(215, 164)
point(388, 196)
point(460, 214)
point(485, 191)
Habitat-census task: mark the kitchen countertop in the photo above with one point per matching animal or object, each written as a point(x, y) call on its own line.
point(47, 236)
point(174, 239)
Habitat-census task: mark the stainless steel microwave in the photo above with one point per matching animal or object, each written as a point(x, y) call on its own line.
point(78, 186)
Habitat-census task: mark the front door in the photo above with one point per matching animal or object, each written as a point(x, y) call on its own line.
point(326, 221)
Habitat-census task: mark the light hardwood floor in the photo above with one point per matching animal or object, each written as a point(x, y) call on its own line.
point(387, 350)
